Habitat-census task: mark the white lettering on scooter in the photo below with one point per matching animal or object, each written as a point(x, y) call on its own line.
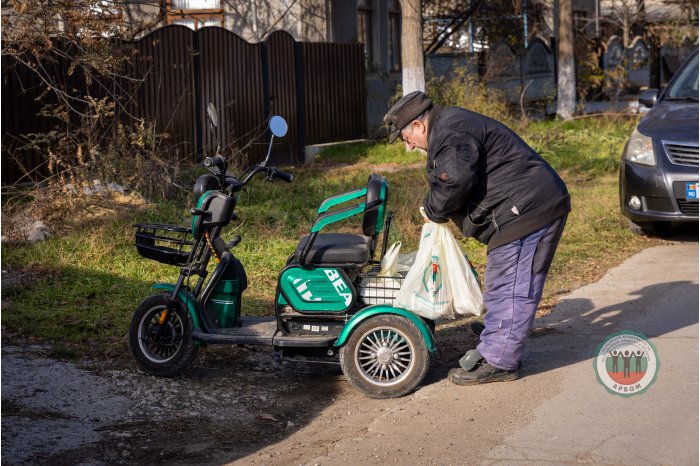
point(308, 296)
point(339, 285)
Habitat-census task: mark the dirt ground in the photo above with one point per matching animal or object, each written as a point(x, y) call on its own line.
point(231, 405)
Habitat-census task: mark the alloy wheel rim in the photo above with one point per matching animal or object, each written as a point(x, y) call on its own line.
point(384, 356)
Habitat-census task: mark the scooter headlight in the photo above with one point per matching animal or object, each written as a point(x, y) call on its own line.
point(640, 149)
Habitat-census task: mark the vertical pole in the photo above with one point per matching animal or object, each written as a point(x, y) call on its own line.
point(198, 123)
point(265, 85)
point(301, 107)
point(555, 63)
point(566, 95)
point(525, 22)
point(597, 20)
point(471, 30)
point(265, 79)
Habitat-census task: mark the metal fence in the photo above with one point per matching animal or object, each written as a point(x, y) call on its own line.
point(319, 88)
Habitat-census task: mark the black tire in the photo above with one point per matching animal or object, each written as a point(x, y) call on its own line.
point(174, 351)
point(393, 339)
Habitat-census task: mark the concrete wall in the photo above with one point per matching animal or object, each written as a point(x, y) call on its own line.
point(380, 90)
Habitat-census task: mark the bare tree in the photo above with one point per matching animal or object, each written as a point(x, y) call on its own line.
point(255, 19)
point(413, 70)
point(624, 15)
point(566, 96)
point(76, 52)
point(447, 23)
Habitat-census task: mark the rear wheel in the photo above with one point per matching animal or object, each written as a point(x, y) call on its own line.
point(385, 357)
point(166, 354)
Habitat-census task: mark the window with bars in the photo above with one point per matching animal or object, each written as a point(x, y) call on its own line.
point(195, 14)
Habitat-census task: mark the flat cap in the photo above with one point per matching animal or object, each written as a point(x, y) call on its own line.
point(408, 108)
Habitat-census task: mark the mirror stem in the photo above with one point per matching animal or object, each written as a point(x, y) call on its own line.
point(269, 150)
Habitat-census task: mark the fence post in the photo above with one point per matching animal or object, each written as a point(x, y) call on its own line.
point(555, 62)
point(301, 106)
point(654, 63)
point(197, 74)
point(265, 78)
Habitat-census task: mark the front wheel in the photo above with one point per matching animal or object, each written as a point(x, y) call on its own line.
point(172, 351)
point(385, 357)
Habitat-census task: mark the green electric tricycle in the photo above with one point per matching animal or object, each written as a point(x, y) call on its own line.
point(329, 304)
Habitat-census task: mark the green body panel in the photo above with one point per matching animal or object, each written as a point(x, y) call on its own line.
point(318, 226)
point(334, 201)
point(372, 311)
point(323, 289)
point(186, 297)
point(281, 301)
point(224, 302)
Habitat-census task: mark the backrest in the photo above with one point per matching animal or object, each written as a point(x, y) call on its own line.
point(220, 208)
point(377, 188)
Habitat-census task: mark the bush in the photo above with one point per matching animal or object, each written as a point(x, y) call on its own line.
point(464, 90)
point(99, 148)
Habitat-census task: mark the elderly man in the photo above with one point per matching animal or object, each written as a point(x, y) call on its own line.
point(498, 190)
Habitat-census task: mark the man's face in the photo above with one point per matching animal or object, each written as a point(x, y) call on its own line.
point(415, 135)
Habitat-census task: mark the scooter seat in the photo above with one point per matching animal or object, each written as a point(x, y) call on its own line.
point(336, 249)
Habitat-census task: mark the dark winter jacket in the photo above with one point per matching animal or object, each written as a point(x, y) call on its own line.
point(487, 180)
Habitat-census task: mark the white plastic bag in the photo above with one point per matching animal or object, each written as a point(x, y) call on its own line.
point(382, 289)
point(379, 290)
point(440, 283)
point(390, 261)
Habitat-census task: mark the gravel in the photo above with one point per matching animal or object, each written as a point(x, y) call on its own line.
point(62, 412)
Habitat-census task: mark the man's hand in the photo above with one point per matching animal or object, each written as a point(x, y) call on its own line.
point(422, 212)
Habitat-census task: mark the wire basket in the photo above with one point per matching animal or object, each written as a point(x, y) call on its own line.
point(167, 244)
point(379, 290)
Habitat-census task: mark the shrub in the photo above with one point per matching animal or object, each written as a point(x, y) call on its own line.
point(464, 90)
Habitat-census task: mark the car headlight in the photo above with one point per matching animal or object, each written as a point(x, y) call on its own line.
point(640, 149)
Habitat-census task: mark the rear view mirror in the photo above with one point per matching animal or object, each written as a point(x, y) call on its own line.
point(213, 114)
point(648, 98)
point(278, 126)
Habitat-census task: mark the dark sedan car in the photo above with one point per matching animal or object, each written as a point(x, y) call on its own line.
point(659, 169)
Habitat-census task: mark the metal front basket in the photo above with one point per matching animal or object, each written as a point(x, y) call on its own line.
point(167, 244)
point(379, 290)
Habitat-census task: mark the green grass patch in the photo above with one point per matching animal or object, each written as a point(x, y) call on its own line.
point(368, 152)
point(588, 146)
point(79, 289)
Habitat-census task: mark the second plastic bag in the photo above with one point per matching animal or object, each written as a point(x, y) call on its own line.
point(440, 284)
point(382, 288)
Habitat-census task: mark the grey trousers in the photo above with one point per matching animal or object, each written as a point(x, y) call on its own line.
point(514, 279)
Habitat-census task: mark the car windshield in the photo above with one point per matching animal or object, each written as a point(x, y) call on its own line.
point(686, 84)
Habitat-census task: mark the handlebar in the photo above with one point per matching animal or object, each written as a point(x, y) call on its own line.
point(286, 177)
point(270, 172)
point(216, 161)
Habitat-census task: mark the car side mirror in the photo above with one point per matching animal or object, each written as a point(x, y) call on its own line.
point(648, 98)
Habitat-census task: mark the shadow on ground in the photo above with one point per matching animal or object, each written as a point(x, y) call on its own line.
point(230, 403)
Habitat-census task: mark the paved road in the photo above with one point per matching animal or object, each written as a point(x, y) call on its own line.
point(557, 413)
